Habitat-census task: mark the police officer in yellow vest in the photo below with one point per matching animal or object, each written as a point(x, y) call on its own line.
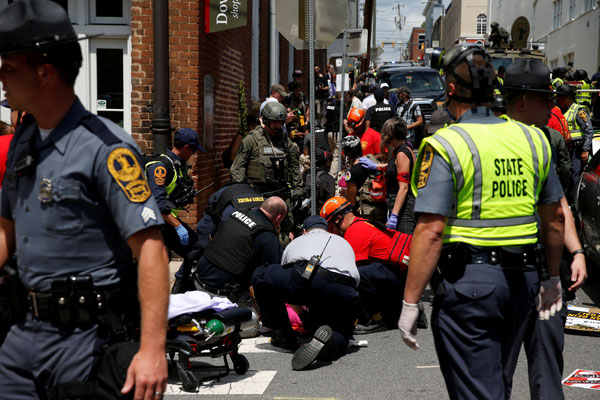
point(580, 127)
point(479, 184)
point(558, 77)
point(173, 189)
point(530, 101)
point(583, 98)
point(267, 158)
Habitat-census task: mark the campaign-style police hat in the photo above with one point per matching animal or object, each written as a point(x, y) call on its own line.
point(30, 25)
point(528, 74)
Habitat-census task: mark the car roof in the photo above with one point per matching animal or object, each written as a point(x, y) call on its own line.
point(407, 68)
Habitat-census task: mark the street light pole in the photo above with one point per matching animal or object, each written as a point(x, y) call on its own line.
point(311, 119)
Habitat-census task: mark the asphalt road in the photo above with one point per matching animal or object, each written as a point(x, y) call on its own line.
point(385, 369)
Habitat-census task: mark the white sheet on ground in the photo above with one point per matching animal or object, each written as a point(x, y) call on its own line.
point(195, 301)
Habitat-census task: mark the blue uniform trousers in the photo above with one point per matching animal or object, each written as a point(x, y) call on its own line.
point(576, 164)
point(37, 356)
point(544, 342)
point(329, 302)
point(479, 320)
point(191, 252)
point(381, 290)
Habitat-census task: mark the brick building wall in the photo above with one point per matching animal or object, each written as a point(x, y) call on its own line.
point(416, 53)
point(192, 55)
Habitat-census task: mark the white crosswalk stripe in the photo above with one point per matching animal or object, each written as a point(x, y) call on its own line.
point(252, 382)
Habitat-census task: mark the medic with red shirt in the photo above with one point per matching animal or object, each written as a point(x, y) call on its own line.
point(381, 282)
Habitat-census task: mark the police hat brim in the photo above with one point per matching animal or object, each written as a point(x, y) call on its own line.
point(37, 46)
point(527, 89)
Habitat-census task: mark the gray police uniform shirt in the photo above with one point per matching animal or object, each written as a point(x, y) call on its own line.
point(437, 196)
point(85, 197)
point(338, 256)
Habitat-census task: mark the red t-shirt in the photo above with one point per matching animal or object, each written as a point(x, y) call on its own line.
point(4, 145)
point(557, 121)
point(367, 241)
point(370, 142)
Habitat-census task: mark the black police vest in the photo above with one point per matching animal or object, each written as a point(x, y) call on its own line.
point(381, 113)
point(242, 197)
point(232, 247)
point(332, 118)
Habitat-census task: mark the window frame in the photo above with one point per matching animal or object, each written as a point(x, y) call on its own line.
point(557, 14)
point(124, 45)
point(94, 20)
point(481, 27)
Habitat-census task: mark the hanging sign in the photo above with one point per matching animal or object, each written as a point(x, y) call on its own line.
point(221, 15)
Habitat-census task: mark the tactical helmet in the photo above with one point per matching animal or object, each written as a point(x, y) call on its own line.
point(580, 75)
point(273, 111)
point(482, 76)
point(356, 117)
point(528, 74)
point(565, 90)
point(350, 142)
point(334, 207)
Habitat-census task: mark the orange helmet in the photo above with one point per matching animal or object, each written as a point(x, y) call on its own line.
point(356, 117)
point(334, 206)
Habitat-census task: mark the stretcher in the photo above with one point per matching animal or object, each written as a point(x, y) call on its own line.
point(207, 333)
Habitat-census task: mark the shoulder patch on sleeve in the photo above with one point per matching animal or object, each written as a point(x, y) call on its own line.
point(583, 115)
point(160, 173)
point(426, 163)
point(126, 171)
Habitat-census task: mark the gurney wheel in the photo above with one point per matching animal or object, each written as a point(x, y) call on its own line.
point(240, 363)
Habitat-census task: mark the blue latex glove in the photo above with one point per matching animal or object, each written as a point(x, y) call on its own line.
point(392, 221)
point(184, 237)
point(366, 163)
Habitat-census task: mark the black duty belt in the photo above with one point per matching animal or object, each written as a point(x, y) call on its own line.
point(505, 256)
point(337, 277)
point(229, 292)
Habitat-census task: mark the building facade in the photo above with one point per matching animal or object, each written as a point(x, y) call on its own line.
point(416, 45)
point(465, 21)
point(117, 76)
point(434, 9)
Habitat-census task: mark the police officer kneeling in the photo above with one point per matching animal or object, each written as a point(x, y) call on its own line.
point(317, 270)
point(242, 242)
point(173, 189)
point(76, 208)
point(480, 185)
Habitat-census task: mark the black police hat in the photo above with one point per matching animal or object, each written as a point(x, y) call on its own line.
point(527, 74)
point(29, 25)
point(565, 90)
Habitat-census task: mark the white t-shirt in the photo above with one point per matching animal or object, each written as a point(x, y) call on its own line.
point(338, 255)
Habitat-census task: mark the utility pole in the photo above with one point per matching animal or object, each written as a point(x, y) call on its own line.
point(374, 46)
point(400, 21)
point(368, 17)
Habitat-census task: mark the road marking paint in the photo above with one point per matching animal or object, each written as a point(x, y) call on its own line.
point(427, 366)
point(259, 344)
point(305, 398)
point(253, 382)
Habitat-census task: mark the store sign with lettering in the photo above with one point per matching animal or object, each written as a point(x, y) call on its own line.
point(221, 15)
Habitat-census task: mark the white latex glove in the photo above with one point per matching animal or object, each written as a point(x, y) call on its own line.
point(408, 324)
point(549, 300)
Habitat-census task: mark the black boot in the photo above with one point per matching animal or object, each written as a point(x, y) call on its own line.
point(317, 348)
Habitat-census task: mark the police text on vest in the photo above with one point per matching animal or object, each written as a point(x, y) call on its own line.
point(509, 186)
point(244, 219)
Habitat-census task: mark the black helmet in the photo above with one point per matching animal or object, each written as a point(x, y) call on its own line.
point(527, 74)
point(565, 90)
point(482, 77)
point(273, 111)
point(498, 102)
point(580, 75)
